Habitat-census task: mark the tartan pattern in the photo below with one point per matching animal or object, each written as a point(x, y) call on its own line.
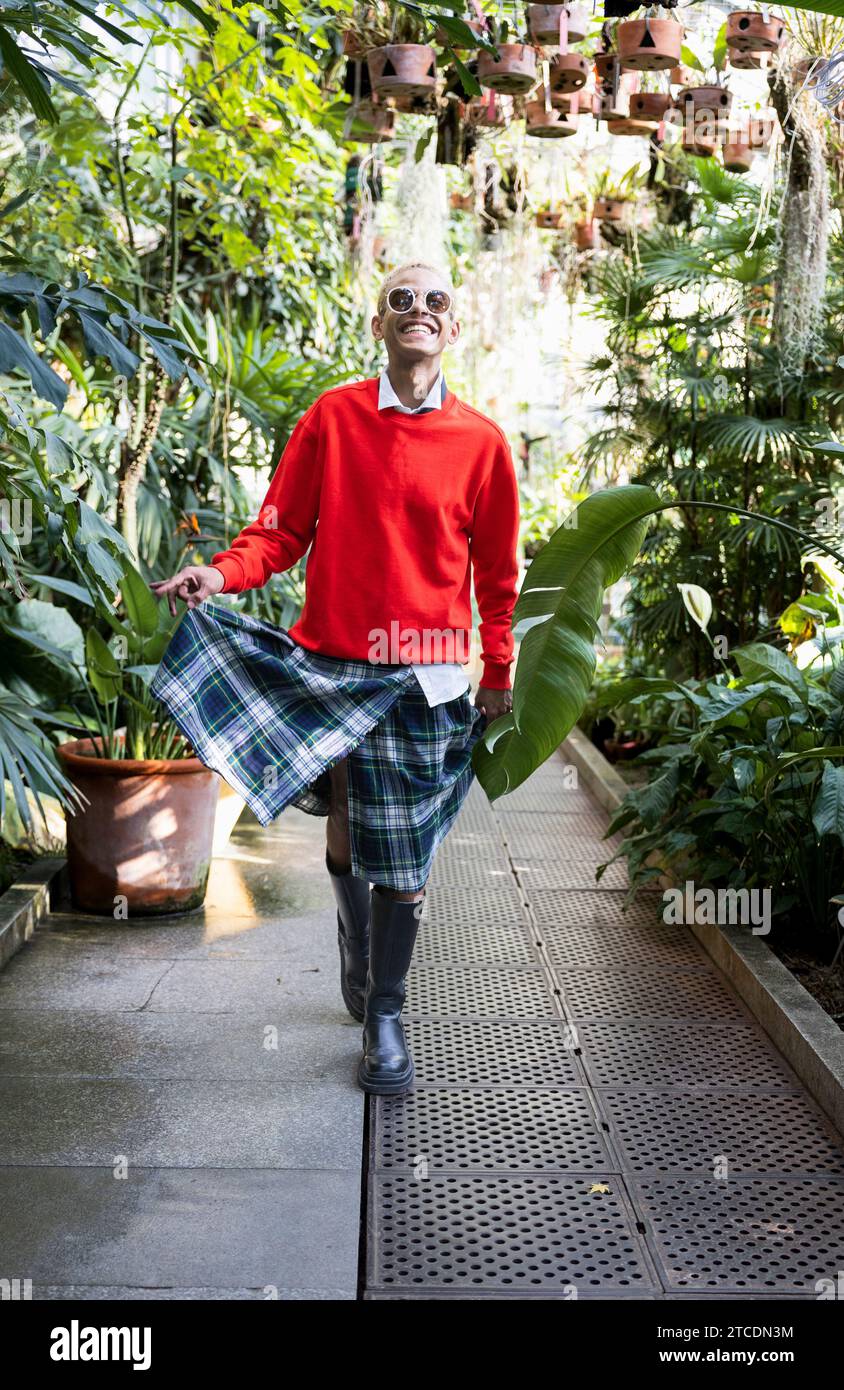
point(271, 717)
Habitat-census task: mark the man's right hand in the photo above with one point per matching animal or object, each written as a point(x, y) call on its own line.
point(194, 584)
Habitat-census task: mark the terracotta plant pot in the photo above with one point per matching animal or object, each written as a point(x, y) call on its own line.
point(352, 46)
point(409, 69)
point(650, 45)
point(748, 58)
point(462, 202)
point(681, 76)
point(738, 157)
point(615, 108)
point(371, 124)
point(586, 235)
point(650, 106)
point(749, 29)
point(609, 209)
point(568, 72)
point(605, 65)
point(696, 142)
point(573, 103)
point(146, 832)
point(578, 25)
point(549, 218)
point(554, 123)
point(710, 98)
point(513, 72)
point(759, 131)
point(548, 24)
point(628, 126)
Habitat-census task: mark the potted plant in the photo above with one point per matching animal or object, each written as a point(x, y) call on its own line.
point(705, 106)
point(549, 120)
point(398, 60)
point(548, 25)
point(578, 23)
point(614, 87)
point(368, 124)
point(650, 107)
point(549, 217)
point(649, 44)
point(511, 66)
point(144, 841)
point(568, 72)
point(586, 234)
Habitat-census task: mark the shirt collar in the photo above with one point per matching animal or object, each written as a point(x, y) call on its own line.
point(387, 396)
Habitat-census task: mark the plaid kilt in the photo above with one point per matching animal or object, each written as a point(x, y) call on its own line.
point(271, 717)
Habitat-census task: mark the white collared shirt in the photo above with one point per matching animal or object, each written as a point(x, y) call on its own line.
point(440, 680)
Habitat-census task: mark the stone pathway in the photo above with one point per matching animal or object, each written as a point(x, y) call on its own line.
point(596, 1115)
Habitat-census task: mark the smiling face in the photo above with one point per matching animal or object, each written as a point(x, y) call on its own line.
point(417, 335)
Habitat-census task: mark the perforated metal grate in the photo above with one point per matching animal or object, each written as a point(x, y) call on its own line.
point(650, 994)
point(454, 906)
point(588, 909)
point(439, 944)
point(463, 843)
point(504, 1129)
point(470, 873)
point(760, 1234)
point(491, 1053)
point(734, 1133)
point(508, 1232)
point(479, 992)
point(585, 947)
point(574, 867)
point(681, 1054)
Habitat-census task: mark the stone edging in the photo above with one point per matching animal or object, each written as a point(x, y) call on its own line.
point(24, 905)
point(793, 1019)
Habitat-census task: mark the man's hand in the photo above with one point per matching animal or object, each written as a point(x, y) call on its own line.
point(493, 703)
point(193, 585)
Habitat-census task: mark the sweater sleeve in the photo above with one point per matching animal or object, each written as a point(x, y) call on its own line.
point(286, 523)
point(495, 567)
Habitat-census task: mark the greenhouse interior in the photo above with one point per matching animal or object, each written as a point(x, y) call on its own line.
point(576, 825)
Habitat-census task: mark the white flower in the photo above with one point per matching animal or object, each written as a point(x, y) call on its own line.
point(698, 604)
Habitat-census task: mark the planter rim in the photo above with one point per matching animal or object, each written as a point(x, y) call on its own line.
point(78, 761)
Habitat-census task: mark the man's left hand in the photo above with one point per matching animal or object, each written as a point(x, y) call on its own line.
point(494, 703)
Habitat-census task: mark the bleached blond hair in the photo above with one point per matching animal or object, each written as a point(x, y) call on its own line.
point(387, 282)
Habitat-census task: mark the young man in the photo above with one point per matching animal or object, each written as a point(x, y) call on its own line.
point(360, 712)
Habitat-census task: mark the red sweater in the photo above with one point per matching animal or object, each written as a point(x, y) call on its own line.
point(406, 506)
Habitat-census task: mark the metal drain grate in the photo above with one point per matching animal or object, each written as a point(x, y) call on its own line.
point(479, 992)
point(589, 909)
point(649, 994)
point(581, 948)
point(750, 1235)
point(682, 1054)
point(492, 1053)
point(439, 944)
point(483, 906)
point(673, 1132)
point(554, 795)
point(572, 869)
point(464, 843)
point(503, 1129)
point(509, 1233)
point(468, 873)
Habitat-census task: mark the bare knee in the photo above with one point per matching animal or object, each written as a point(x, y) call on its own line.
point(415, 897)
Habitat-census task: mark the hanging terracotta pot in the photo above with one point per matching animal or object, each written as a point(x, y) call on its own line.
point(573, 103)
point(759, 131)
point(617, 108)
point(605, 65)
point(627, 126)
point(146, 832)
point(753, 29)
point(609, 209)
point(554, 123)
point(353, 47)
point(650, 45)
point(650, 106)
point(370, 124)
point(578, 26)
point(548, 24)
point(549, 218)
point(586, 235)
point(750, 58)
point(462, 202)
point(718, 100)
point(514, 71)
point(681, 76)
point(699, 143)
point(738, 157)
point(568, 72)
point(403, 68)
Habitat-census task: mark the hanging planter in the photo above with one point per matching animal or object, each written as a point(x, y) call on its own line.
point(407, 69)
point(513, 72)
point(757, 30)
point(738, 157)
point(628, 126)
point(605, 65)
point(370, 124)
point(573, 103)
point(707, 98)
point(758, 59)
point(548, 123)
point(759, 131)
point(462, 202)
point(549, 219)
point(650, 107)
point(586, 235)
point(699, 143)
point(568, 72)
point(548, 24)
point(681, 76)
point(616, 106)
point(353, 45)
point(609, 209)
point(578, 23)
point(650, 45)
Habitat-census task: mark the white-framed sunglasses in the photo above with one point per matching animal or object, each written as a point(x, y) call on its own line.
point(401, 299)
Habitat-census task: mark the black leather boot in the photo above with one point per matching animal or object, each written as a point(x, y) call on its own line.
point(352, 896)
point(386, 1067)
